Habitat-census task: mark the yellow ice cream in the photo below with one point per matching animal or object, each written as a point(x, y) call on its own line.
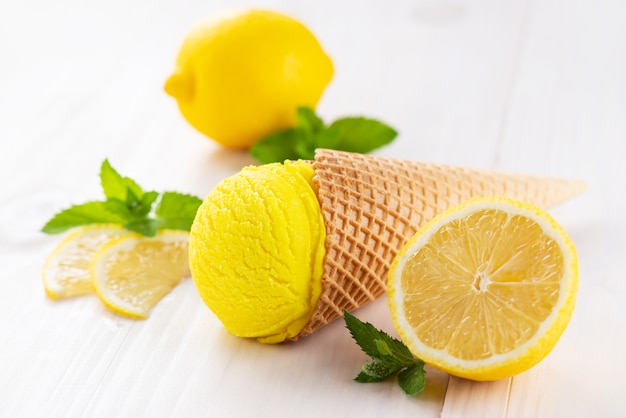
point(256, 249)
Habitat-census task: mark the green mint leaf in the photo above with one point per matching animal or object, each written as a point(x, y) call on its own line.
point(112, 182)
point(133, 197)
point(358, 134)
point(383, 348)
point(308, 120)
point(413, 378)
point(305, 149)
point(116, 186)
point(77, 215)
point(140, 206)
point(144, 226)
point(145, 205)
point(177, 210)
point(376, 371)
point(365, 334)
point(363, 377)
point(398, 350)
point(132, 208)
point(354, 134)
point(128, 205)
point(389, 357)
point(371, 341)
point(309, 127)
point(120, 208)
point(134, 192)
point(277, 147)
point(329, 139)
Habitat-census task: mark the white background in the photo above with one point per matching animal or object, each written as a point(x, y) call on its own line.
point(526, 86)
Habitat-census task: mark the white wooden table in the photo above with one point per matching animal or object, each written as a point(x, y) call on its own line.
point(519, 85)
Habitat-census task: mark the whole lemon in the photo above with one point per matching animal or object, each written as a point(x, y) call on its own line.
point(240, 76)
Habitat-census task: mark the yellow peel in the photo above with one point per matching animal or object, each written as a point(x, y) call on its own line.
point(240, 76)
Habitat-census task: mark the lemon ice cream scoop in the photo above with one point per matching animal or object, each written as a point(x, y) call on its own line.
point(256, 251)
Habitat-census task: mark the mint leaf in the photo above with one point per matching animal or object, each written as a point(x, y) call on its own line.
point(308, 120)
point(383, 348)
point(140, 206)
point(144, 226)
point(364, 377)
point(329, 139)
point(133, 208)
point(119, 208)
point(358, 134)
point(354, 134)
point(134, 196)
point(277, 147)
point(144, 206)
point(372, 341)
point(133, 191)
point(128, 205)
point(86, 213)
point(305, 148)
point(306, 133)
point(294, 143)
point(376, 371)
point(112, 182)
point(413, 378)
point(177, 210)
point(364, 334)
point(116, 186)
point(389, 357)
point(388, 346)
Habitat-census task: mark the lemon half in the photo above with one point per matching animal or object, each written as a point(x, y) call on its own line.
point(485, 289)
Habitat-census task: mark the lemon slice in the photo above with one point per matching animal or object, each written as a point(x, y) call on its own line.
point(66, 270)
point(133, 273)
point(485, 289)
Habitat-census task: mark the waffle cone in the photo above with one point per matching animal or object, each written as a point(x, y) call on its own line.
point(373, 205)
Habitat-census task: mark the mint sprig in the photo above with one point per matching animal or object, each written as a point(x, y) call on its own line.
point(127, 204)
point(389, 357)
point(353, 134)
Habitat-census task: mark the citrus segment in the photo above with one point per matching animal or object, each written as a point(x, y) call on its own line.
point(485, 289)
point(66, 270)
point(133, 273)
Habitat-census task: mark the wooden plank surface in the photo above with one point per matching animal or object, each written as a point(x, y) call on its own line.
point(527, 86)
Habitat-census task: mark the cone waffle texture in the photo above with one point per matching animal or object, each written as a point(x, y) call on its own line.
point(373, 205)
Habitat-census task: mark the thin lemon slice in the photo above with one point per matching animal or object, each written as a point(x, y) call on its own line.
point(484, 290)
point(66, 270)
point(133, 273)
